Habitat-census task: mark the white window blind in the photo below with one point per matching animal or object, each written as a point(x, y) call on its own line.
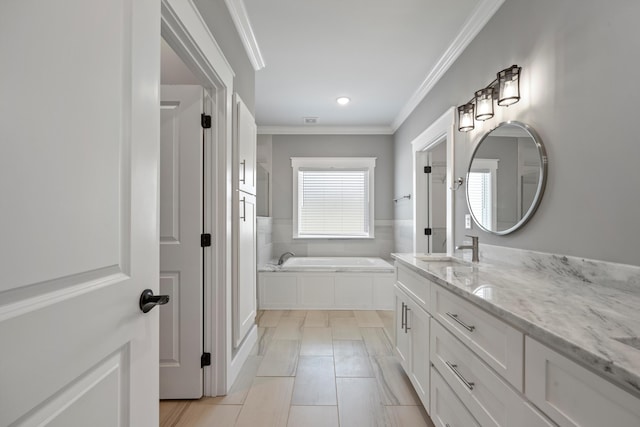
point(479, 193)
point(333, 197)
point(333, 202)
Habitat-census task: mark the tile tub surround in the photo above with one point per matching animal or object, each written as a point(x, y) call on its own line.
point(381, 246)
point(556, 306)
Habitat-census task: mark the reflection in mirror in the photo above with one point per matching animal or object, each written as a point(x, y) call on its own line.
point(506, 178)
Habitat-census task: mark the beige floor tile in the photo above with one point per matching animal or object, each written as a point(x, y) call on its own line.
point(265, 335)
point(351, 359)
point(345, 328)
point(295, 313)
point(376, 341)
point(316, 342)
point(280, 360)
point(315, 382)
point(335, 314)
point(238, 392)
point(171, 411)
point(317, 319)
point(267, 403)
point(368, 319)
point(203, 413)
point(289, 328)
point(359, 403)
point(387, 320)
point(313, 416)
point(269, 318)
point(408, 416)
point(393, 384)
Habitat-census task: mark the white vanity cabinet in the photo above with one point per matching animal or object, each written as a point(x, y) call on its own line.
point(412, 336)
point(487, 396)
point(574, 396)
point(497, 343)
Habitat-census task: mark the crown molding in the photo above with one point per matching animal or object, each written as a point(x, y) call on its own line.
point(325, 130)
point(240, 18)
point(472, 26)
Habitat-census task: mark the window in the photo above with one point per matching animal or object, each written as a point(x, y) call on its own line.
point(333, 197)
point(481, 191)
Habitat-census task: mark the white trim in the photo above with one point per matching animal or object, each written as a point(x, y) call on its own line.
point(241, 20)
point(484, 10)
point(185, 31)
point(325, 130)
point(440, 130)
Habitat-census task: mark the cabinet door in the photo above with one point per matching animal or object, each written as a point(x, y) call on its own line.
point(246, 134)
point(245, 285)
point(418, 324)
point(571, 395)
point(403, 340)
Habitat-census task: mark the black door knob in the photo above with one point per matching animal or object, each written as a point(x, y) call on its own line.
point(148, 300)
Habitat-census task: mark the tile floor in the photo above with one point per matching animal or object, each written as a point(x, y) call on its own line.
point(312, 369)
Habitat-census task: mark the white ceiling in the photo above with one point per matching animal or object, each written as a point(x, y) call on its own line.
point(383, 54)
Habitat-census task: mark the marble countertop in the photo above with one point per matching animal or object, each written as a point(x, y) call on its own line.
point(593, 320)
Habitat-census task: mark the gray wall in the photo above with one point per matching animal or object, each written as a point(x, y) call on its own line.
point(218, 19)
point(580, 92)
point(286, 146)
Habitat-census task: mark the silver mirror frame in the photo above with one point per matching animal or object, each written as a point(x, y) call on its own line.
point(542, 153)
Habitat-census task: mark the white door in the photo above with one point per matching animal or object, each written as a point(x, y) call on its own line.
point(79, 154)
point(181, 257)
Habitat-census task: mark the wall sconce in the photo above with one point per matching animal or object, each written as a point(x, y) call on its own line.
point(506, 89)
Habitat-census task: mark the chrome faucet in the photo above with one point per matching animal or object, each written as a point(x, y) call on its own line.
point(474, 248)
point(284, 257)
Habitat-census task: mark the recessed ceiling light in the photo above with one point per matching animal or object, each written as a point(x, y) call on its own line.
point(343, 100)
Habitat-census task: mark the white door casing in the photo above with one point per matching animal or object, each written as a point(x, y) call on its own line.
point(440, 131)
point(181, 254)
point(183, 28)
point(79, 125)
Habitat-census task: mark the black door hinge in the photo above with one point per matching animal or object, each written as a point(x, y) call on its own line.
point(427, 169)
point(205, 240)
point(205, 121)
point(205, 360)
point(427, 232)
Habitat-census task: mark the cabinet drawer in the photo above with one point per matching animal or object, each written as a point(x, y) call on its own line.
point(446, 408)
point(498, 344)
point(415, 285)
point(571, 395)
point(488, 397)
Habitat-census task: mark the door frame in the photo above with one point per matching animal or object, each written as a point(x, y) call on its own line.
point(184, 29)
point(442, 130)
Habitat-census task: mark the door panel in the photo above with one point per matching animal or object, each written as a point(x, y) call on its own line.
point(245, 303)
point(78, 177)
point(181, 261)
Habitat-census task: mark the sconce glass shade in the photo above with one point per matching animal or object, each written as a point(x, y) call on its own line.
point(484, 103)
point(465, 117)
point(509, 86)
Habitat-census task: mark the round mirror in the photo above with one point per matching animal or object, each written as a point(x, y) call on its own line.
point(506, 178)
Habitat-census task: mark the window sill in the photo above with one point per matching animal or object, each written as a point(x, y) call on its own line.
point(325, 237)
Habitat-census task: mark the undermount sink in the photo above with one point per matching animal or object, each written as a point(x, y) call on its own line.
point(441, 258)
point(630, 341)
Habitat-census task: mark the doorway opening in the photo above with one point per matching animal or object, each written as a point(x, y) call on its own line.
point(433, 163)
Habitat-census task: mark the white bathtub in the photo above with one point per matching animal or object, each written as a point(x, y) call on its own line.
point(327, 283)
point(346, 264)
